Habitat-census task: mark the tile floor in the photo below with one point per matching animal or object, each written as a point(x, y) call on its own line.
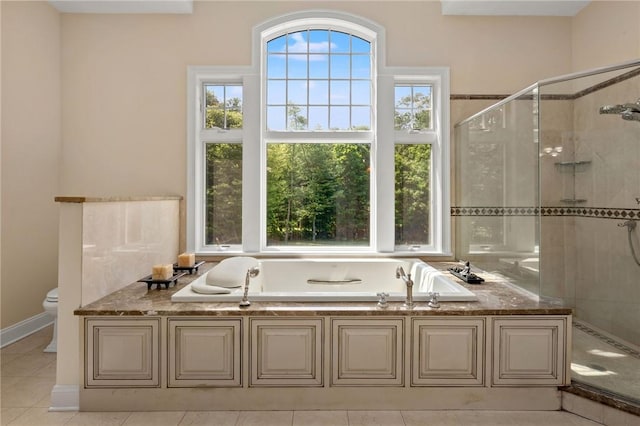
point(599, 363)
point(28, 375)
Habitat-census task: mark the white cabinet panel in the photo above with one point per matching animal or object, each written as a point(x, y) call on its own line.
point(286, 352)
point(448, 352)
point(529, 351)
point(367, 352)
point(204, 352)
point(122, 353)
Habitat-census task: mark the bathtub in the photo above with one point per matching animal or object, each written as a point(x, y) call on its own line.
point(336, 280)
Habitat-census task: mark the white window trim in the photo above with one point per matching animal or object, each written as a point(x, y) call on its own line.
point(382, 199)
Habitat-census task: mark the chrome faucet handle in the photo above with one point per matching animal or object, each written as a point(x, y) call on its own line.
point(629, 224)
point(251, 273)
point(399, 272)
point(433, 301)
point(382, 303)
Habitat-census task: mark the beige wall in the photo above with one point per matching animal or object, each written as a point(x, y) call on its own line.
point(604, 33)
point(124, 77)
point(123, 96)
point(31, 138)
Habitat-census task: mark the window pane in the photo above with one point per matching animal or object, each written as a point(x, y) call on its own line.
point(413, 107)
point(361, 66)
point(276, 118)
point(223, 106)
point(276, 92)
point(359, 45)
point(403, 119)
point(422, 107)
point(318, 194)
point(319, 92)
point(297, 117)
point(276, 66)
point(412, 194)
point(223, 194)
point(297, 42)
point(360, 93)
point(339, 42)
point(318, 41)
point(318, 118)
point(361, 118)
point(339, 118)
point(297, 66)
point(318, 66)
point(277, 44)
point(340, 92)
point(340, 66)
point(297, 92)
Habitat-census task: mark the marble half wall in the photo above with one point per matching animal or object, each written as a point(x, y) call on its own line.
point(122, 240)
point(104, 244)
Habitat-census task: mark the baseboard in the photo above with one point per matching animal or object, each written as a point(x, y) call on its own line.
point(24, 328)
point(65, 398)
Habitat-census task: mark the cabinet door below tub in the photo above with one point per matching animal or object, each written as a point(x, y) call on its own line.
point(122, 353)
point(530, 351)
point(204, 352)
point(367, 352)
point(286, 352)
point(448, 352)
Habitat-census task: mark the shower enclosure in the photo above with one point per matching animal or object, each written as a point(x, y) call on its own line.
point(548, 195)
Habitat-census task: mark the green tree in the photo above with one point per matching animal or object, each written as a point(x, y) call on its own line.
point(223, 194)
point(352, 200)
point(224, 116)
point(413, 112)
point(412, 194)
point(296, 121)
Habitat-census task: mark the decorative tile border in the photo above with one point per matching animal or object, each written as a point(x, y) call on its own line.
point(494, 211)
point(620, 346)
point(465, 97)
point(599, 212)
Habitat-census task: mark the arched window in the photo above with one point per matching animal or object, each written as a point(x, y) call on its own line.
point(318, 146)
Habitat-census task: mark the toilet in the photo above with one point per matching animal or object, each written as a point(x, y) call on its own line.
point(50, 305)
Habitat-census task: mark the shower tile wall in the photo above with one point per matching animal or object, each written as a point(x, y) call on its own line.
point(607, 278)
point(587, 260)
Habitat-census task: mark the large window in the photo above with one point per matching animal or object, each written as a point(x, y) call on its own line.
point(318, 139)
point(320, 148)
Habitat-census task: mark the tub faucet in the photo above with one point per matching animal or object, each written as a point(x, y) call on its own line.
point(251, 273)
point(407, 280)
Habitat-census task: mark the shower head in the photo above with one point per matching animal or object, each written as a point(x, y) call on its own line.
point(630, 115)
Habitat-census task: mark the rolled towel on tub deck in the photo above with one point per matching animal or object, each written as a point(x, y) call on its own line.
point(231, 272)
point(209, 289)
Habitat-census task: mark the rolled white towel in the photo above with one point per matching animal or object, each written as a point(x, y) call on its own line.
point(209, 289)
point(231, 272)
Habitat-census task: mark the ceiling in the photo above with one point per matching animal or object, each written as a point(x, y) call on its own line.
point(513, 7)
point(123, 6)
point(449, 7)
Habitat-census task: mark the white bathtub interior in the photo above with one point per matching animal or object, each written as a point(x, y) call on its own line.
point(336, 280)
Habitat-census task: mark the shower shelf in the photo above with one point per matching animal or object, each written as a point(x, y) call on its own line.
point(573, 163)
point(573, 200)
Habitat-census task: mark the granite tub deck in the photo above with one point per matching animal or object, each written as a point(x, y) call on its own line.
point(141, 351)
point(495, 297)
